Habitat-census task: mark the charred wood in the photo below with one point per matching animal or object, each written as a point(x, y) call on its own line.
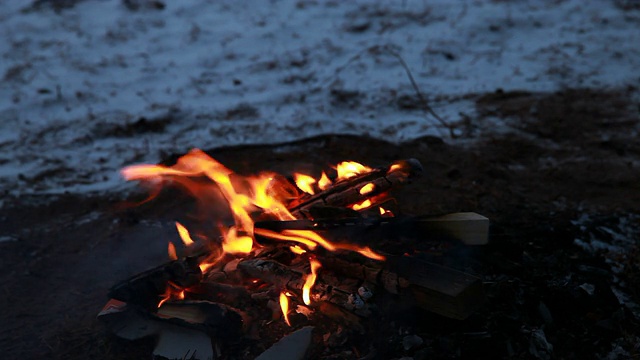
point(326, 288)
point(348, 192)
point(148, 288)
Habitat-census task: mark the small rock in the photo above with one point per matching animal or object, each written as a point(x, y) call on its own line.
point(545, 313)
point(411, 341)
point(365, 293)
point(588, 288)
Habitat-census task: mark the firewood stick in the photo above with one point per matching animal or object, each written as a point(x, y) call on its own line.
point(347, 192)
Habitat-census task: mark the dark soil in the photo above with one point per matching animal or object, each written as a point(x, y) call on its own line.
point(565, 174)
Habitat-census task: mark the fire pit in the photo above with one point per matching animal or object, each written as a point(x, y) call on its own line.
point(267, 254)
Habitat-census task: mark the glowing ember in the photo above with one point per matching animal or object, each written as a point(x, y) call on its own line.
point(324, 182)
point(310, 281)
point(394, 167)
point(349, 169)
point(363, 205)
point(184, 234)
point(284, 306)
point(367, 189)
point(304, 183)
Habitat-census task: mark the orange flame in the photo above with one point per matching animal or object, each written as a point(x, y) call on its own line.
point(171, 291)
point(245, 196)
point(284, 306)
point(304, 183)
point(324, 182)
point(166, 296)
point(310, 281)
point(184, 234)
point(172, 251)
point(371, 254)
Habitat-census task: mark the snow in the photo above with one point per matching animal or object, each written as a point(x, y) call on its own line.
point(205, 73)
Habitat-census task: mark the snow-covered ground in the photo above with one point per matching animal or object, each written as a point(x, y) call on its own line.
point(90, 88)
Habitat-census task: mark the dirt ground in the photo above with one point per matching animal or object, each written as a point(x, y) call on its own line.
point(560, 187)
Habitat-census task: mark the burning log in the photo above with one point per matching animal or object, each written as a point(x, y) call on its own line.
point(149, 288)
point(358, 189)
point(218, 320)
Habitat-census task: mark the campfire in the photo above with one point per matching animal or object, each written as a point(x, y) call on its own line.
point(269, 252)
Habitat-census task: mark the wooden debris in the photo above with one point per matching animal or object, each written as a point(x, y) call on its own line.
point(178, 342)
point(218, 320)
point(148, 288)
point(440, 289)
point(126, 322)
point(175, 341)
point(468, 227)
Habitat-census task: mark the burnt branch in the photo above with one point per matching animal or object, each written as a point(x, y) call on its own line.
point(348, 192)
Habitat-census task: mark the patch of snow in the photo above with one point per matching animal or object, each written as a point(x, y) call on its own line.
point(7, 238)
point(89, 89)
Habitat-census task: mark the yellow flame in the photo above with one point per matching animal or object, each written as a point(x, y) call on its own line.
point(284, 306)
point(310, 281)
point(297, 250)
point(385, 212)
point(349, 169)
point(237, 244)
point(244, 196)
point(324, 182)
point(367, 189)
point(184, 234)
point(278, 236)
point(363, 205)
point(304, 183)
